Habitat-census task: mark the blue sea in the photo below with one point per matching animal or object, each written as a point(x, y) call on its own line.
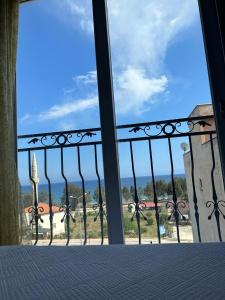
point(90, 185)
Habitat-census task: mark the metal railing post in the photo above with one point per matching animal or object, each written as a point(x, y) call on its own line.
point(108, 126)
point(213, 33)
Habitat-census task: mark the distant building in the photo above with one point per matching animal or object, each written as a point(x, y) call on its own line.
point(44, 228)
point(151, 205)
point(146, 205)
point(203, 183)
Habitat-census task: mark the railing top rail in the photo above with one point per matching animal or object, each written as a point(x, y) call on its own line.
point(172, 128)
point(165, 121)
point(26, 136)
point(96, 129)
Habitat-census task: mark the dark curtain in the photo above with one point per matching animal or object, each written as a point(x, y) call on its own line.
point(9, 218)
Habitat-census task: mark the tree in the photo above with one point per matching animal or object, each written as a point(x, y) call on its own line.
point(76, 193)
point(140, 192)
point(126, 193)
point(163, 218)
point(96, 194)
point(180, 187)
point(161, 187)
point(43, 197)
point(181, 184)
point(148, 190)
point(27, 199)
point(132, 190)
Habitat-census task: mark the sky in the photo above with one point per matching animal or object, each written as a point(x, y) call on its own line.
point(158, 62)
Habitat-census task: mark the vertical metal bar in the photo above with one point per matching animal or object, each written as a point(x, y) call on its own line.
point(212, 14)
point(100, 200)
point(35, 214)
point(83, 194)
point(214, 194)
point(108, 124)
point(154, 191)
point(49, 196)
point(67, 204)
point(175, 207)
point(220, 5)
point(136, 199)
point(195, 200)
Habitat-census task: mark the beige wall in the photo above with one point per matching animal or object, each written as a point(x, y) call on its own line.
point(203, 183)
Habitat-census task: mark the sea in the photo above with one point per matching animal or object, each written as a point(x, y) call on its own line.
point(90, 185)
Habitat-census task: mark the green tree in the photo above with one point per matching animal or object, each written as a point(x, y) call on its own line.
point(76, 193)
point(27, 199)
point(148, 190)
point(96, 194)
point(129, 226)
point(161, 187)
point(141, 193)
point(163, 218)
point(132, 190)
point(151, 218)
point(181, 182)
point(180, 187)
point(43, 197)
point(126, 193)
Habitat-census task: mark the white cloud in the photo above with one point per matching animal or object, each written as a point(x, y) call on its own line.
point(135, 91)
point(75, 8)
point(70, 8)
point(59, 111)
point(63, 110)
point(66, 125)
point(140, 33)
point(89, 78)
point(25, 118)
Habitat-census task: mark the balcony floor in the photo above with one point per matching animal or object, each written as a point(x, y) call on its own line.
point(185, 271)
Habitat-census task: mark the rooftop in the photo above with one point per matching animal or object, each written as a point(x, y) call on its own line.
point(44, 208)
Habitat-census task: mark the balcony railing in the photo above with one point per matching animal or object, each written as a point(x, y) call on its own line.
point(195, 131)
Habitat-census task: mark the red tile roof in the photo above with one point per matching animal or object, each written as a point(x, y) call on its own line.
point(152, 204)
point(44, 208)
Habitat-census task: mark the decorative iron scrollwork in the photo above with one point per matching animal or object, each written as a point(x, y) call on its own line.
point(176, 210)
point(67, 213)
point(35, 214)
point(216, 208)
point(62, 139)
point(138, 210)
point(33, 141)
point(203, 123)
point(168, 128)
point(100, 210)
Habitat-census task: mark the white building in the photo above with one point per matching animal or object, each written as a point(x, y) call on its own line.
point(44, 228)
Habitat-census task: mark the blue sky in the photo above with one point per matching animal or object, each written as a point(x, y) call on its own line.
point(158, 60)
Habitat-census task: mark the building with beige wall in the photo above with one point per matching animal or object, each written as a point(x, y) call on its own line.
point(203, 166)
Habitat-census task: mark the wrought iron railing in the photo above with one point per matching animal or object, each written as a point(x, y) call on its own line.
point(167, 130)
